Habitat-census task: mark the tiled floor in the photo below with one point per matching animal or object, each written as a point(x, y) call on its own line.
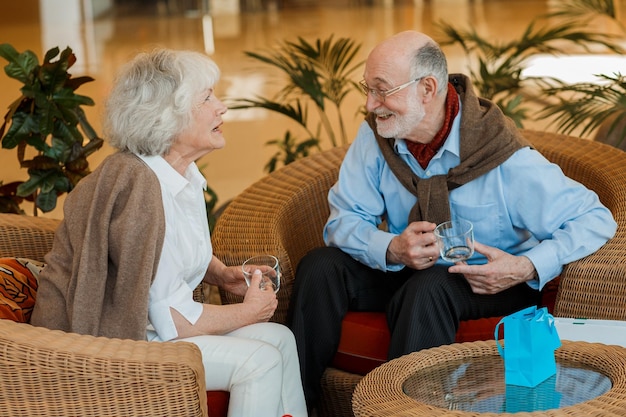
point(103, 43)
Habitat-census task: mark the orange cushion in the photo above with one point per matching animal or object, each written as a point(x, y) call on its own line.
point(18, 288)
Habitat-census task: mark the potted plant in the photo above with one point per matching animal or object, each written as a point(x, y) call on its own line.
point(589, 107)
point(497, 74)
point(317, 74)
point(46, 124)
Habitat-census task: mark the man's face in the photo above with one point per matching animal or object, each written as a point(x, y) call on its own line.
point(398, 114)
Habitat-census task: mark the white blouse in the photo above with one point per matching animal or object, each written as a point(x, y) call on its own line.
point(187, 249)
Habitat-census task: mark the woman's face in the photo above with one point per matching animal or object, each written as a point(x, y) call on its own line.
point(204, 134)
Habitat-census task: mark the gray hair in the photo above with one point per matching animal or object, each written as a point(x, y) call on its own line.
point(153, 97)
point(430, 60)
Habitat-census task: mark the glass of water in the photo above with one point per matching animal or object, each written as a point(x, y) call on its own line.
point(455, 240)
point(268, 265)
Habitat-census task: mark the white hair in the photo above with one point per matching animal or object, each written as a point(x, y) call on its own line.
point(152, 99)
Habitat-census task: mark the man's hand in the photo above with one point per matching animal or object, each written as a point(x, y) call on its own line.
point(415, 247)
point(501, 271)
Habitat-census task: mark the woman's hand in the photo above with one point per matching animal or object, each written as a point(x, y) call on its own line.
point(231, 279)
point(262, 302)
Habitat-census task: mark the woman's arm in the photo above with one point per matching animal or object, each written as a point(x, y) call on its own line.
point(258, 305)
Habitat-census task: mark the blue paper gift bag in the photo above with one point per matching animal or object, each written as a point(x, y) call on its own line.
point(530, 338)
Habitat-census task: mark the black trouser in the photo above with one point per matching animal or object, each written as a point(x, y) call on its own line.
point(423, 307)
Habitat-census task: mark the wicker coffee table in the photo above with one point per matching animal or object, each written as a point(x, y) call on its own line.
point(592, 377)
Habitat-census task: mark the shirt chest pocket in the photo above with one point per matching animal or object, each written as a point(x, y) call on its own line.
point(486, 218)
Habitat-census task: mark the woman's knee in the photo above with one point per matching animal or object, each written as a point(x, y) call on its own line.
point(264, 358)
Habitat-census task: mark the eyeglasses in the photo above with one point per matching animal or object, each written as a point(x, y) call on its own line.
point(381, 95)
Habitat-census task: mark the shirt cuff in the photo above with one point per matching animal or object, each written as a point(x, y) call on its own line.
point(377, 251)
point(546, 264)
point(161, 318)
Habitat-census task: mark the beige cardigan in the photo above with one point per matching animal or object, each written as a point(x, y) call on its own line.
point(105, 253)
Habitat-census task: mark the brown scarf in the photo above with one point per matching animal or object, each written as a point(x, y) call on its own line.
point(488, 138)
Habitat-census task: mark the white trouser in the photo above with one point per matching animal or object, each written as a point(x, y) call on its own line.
point(259, 365)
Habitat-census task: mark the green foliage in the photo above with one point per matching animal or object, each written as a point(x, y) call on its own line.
point(210, 199)
point(588, 105)
point(48, 118)
point(317, 74)
point(498, 66)
point(289, 150)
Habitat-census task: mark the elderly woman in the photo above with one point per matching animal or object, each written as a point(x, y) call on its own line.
point(135, 241)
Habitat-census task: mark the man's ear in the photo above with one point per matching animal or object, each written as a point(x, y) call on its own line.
point(429, 88)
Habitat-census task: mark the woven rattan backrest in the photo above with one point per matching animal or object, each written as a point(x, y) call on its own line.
point(282, 214)
point(26, 236)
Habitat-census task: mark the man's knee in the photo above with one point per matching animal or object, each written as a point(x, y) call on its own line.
point(318, 264)
point(431, 283)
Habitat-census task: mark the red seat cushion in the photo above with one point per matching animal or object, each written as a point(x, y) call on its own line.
point(364, 342)
point(217, 403)
point(365, 336)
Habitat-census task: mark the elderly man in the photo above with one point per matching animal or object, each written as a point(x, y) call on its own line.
point(430, 150)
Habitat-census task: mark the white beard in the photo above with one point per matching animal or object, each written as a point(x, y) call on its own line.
point(401, 126)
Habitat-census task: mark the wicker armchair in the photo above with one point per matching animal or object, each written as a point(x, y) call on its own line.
point(284, 214)
point(53, 373)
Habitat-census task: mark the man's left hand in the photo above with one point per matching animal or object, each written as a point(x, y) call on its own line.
point(501, 271)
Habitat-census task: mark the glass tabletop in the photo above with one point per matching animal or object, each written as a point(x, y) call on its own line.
point(477, 384)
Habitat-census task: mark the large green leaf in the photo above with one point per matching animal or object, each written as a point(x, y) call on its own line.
point(23, 128)
point(60, 151)
point(20, 66)
point(47, 201)
point(53, 74)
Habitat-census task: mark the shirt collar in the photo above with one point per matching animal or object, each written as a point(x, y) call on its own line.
point(169, 177)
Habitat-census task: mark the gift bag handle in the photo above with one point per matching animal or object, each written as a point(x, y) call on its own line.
point(496, 333)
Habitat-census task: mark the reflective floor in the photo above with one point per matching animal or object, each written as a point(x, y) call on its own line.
point(102, 41)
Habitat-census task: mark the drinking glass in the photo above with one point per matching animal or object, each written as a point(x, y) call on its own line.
point(268, 265)
point(455, 240)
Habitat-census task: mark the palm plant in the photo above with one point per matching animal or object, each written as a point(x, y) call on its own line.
point(317, 73)
point(589, 106)
point(497, 73)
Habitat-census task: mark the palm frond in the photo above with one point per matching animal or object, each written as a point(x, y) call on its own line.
point(586, 106)
point(297, 113)
point(576, 9)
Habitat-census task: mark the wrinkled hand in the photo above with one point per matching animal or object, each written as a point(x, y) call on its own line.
point(232, 280)
point(415, 247)
point(501, 271)
point(262, 302)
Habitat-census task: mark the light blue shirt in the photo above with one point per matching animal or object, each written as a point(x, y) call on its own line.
point(525, 206)
point(187, 249)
